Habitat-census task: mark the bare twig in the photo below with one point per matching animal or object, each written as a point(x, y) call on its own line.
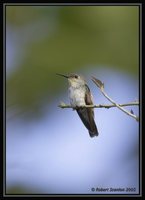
point(63, 105)
point(100, 85)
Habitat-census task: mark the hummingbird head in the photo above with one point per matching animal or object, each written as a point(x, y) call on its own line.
point(74, 80)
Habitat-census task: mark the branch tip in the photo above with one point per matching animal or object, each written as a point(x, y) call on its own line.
point(99, 83)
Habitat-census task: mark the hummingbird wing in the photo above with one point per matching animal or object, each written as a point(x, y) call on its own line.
point(87, 114)
point(89, 101)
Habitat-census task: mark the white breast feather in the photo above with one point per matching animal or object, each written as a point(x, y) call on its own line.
point(77, 97)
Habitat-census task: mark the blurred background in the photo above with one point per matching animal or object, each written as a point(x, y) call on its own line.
point(48, 149)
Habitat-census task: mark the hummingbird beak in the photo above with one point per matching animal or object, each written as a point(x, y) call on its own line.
point(62, 75)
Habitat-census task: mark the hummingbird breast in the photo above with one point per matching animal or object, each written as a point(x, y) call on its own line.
point(77, 96)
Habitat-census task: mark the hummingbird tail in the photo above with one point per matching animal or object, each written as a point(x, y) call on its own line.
point(87, 118)
point(93, 133)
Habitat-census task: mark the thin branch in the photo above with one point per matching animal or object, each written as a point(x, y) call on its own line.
point(101, 87)
point(63, 105)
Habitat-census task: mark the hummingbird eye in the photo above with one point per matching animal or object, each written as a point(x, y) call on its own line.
point(76, 76)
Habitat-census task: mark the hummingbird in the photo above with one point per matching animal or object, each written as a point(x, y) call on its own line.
point(80, 95)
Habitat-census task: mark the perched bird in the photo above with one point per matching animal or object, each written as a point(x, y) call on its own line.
point(80, 95)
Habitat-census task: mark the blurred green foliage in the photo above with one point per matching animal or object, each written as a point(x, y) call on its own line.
point(22, 190)
point(78, 37)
